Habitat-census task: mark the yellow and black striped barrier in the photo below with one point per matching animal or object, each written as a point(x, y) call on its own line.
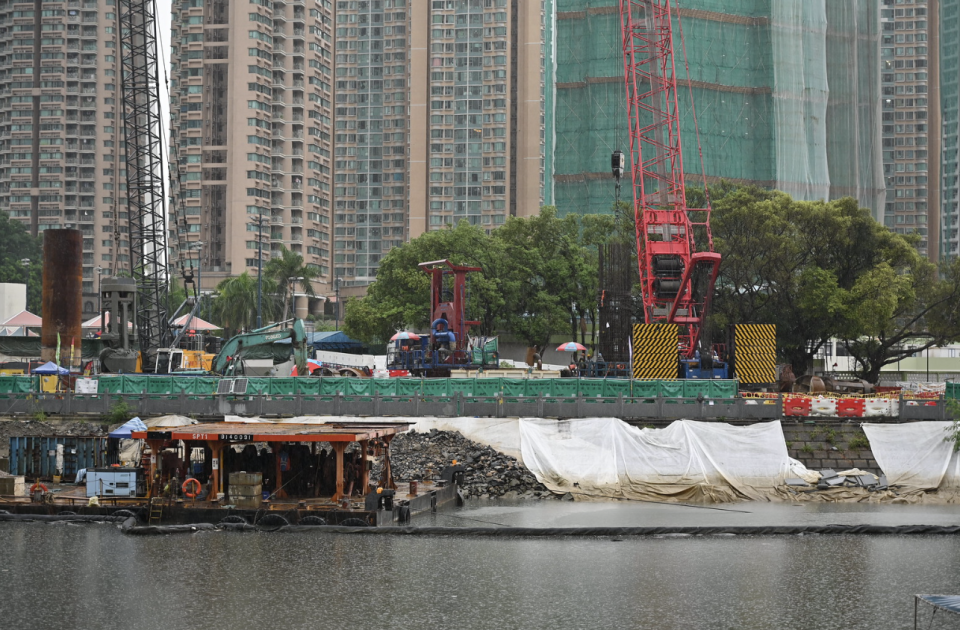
point(756, 353)
point(654, 349)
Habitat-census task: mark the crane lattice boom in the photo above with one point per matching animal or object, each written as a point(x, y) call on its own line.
point(677, 281)
point(145, 190)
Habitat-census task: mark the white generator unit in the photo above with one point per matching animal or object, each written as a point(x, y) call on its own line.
point(116, 482)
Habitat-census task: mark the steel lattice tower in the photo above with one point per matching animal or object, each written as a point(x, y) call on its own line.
point(145, 188)
point(677, 281)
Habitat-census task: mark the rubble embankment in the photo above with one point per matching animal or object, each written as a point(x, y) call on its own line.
point(489, 473)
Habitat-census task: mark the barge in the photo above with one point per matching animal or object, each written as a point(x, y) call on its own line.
point(251, 471)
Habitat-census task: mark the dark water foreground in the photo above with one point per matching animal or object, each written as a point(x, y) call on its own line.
point(92, 576)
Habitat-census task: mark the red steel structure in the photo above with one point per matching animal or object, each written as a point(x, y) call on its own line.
point(677, 280)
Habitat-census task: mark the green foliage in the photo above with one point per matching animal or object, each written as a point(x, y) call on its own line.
point(858, 443)
point(806, 449)
point(822, 270)
point(289, 273)
point(829, 436)
point(539, 277)
point(953, 431)
point(235, 307)
point(15, 245)
point(119, 412)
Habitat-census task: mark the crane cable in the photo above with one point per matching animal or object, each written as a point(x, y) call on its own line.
point(173, 164)
point(696, 127)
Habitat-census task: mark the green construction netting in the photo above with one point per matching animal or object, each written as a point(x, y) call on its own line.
point(17, 384)
point(785, 96)
point(511, 388)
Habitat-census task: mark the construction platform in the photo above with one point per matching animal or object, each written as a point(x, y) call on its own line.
point(67, 498)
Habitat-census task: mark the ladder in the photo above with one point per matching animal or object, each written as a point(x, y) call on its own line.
point(156, 510)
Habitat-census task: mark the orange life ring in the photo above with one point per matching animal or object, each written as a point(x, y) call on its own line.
point(37, 486)
point(186, 485)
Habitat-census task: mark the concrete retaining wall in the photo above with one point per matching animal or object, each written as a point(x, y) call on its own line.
point(827, 444)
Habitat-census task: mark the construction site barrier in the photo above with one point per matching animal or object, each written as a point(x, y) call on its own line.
point(328, 386)
point(796, 406)
point(851, 407)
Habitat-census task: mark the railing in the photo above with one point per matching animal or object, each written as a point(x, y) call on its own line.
point(500, 405)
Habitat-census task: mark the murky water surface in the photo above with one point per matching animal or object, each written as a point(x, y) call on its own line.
point(92, 576)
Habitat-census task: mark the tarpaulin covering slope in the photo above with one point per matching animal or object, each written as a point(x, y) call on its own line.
point(688, 460)
point(915, 454)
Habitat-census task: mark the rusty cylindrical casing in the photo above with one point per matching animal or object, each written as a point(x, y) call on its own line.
point(62, 296)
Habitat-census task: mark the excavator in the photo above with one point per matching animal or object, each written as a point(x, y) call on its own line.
point(229, 361)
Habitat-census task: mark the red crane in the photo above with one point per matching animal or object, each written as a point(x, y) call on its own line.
point(677, 280)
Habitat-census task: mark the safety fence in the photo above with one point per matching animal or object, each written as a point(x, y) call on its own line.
point(327, 386)
point(497, 405)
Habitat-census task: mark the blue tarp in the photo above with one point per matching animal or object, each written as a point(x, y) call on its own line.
point(50, 368)
point(331, 341)
point(950, 603)
point(135, 424)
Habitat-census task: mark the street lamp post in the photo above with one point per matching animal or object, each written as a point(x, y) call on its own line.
point(99, 297)
point(26, 281)
point(291, 290)
point(260, 271)
point(336, 289)
point(199, 245)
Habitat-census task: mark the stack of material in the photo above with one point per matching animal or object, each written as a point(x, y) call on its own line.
point(12, 485)
point(246, 489)
point(828, 478)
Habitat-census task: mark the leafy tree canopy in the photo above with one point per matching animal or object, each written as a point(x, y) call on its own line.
point(17, 244)
point(822, 270)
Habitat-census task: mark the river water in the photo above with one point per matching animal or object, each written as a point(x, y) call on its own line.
point(93, 576)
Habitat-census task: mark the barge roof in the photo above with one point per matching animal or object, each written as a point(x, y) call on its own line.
point(275, 432)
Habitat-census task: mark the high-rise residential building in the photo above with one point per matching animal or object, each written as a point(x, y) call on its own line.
point(786, 95)
point(61, 159)
point(251, 108)
point(438, 119)
point(910, 80)
point(949, 62)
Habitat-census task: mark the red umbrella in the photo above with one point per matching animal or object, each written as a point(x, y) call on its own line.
point(570, 346)
point(405, 335)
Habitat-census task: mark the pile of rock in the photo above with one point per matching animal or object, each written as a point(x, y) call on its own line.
point(489, 473)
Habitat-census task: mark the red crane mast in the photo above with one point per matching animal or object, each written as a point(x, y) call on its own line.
point(677, 280)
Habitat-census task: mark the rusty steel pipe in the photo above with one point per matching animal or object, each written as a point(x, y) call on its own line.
point(62, 296)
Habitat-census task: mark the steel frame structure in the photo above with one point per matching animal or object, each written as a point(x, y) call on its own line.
point(677, 281)
point(143, 135)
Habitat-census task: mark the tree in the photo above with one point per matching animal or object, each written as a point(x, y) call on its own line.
point(400, 297)
point(538, 277)
point(556, 275)
point(896, 312)
point(823, 270)
point(235, 307)
point(288, 271)
point(17, 244)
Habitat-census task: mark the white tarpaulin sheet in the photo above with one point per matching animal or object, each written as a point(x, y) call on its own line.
point(688, 460)
point(915, 454)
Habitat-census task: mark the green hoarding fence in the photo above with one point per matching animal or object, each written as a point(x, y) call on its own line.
point(431, 387)
point(953, 390)
point(17, 384)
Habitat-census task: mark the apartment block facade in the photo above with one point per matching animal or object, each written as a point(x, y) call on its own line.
point(251, 100)
point(61, 159)
point(909, 57)
point(351, 126)
point(439, 118)
point(949, 63)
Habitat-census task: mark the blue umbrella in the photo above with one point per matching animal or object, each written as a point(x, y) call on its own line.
point(405, 336)
point(134, 424)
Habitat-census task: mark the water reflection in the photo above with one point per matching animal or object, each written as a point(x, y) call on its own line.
point(93, 576)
